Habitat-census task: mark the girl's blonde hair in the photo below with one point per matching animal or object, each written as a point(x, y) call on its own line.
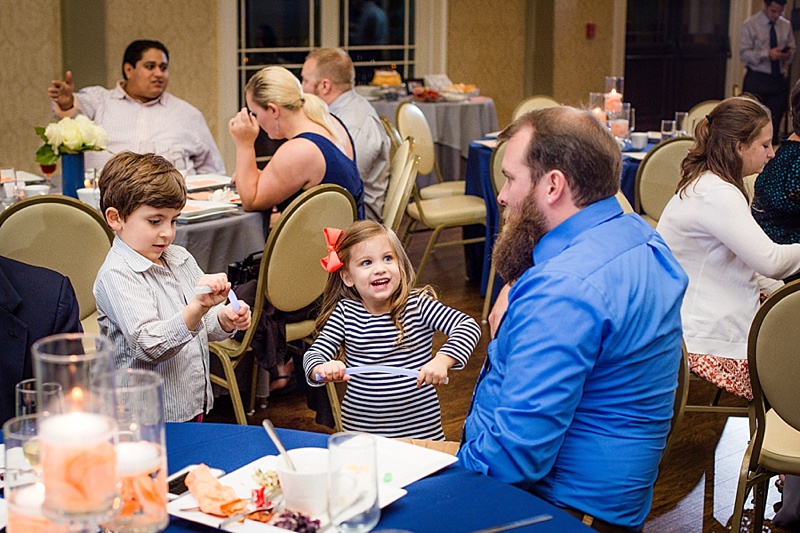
point(716, 137)
point(276, 85)
point(336, 290)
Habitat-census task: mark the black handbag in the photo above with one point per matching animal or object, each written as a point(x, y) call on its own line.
point(245, 270)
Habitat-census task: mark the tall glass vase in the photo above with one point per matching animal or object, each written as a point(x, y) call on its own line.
point(71, 174)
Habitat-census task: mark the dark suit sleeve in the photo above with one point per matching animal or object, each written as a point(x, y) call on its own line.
point(67, 313)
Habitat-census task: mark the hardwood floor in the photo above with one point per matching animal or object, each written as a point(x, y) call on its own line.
point(697, 486)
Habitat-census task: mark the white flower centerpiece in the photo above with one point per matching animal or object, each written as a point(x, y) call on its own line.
point(69, 136)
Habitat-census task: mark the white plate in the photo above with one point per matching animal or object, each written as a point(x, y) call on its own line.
point(27, 177)
point(241, 481)
point(196, 210)
point(206, 181)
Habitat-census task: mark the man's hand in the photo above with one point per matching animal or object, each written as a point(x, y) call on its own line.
point(777, 54)
point(61, 92)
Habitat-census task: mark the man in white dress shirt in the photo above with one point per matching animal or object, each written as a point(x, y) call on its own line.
point(767, 48)
point(329, 74)
point(139, 115)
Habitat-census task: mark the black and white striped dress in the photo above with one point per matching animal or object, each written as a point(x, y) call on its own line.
point(385, 404)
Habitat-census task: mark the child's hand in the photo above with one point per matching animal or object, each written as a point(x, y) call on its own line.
point(218, 283)
point(330, 371)
point(435, 371)
point(230, 319)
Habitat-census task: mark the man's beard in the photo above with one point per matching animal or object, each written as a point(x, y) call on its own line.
point(513, 251)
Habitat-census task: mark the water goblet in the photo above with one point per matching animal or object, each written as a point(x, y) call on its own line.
point(48, 171)
point(27, 393)
point(667, 129)
point(681, 124)
point(77, 429)
point(353, 482)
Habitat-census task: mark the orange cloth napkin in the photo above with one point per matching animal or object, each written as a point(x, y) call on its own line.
point(212, 496)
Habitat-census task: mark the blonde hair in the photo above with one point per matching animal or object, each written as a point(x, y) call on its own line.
point(131, 180)
point(716, 137)
point(336, 290)
point(276, 85)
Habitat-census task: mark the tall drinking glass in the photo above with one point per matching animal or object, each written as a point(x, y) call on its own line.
point(141, 453)
point(27, 396)
point(78, 434)
point(353, 482)
point(24, 490)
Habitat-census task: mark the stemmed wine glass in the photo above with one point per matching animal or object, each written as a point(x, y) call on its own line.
point(48, 171)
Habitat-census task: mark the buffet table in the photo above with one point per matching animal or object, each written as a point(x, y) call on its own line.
point(453, 500)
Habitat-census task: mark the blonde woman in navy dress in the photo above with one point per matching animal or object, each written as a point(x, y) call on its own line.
point(371, 310)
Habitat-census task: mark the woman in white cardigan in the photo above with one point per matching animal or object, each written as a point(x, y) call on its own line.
point(728, 257)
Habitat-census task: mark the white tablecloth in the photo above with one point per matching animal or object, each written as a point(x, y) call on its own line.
point(453, 126)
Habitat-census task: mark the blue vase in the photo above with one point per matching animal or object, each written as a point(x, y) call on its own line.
point(71, 174)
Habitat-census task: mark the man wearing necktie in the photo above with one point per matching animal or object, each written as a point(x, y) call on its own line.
point(767, 48)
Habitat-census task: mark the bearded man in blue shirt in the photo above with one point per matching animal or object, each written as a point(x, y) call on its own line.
point(575, 399)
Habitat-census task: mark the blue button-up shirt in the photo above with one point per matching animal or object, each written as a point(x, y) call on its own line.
point(575, 400)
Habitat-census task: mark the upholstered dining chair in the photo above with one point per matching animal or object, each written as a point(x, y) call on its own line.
point(698, 111)
point(658, 177)
point(402, 175)
point(290, 276)
point(439, 214)
point(498, 181)
point(774, 373)
point(394, 136)
point(62, 234)
point(532, 103)
point(412, 123)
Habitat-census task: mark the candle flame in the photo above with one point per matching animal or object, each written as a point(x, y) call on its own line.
point(77, 395)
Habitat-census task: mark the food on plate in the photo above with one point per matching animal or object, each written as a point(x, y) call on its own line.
point(294, 521)
point(426, 94)
point(386, 77)
point(225, 194)
point(461, 87)
point(267, 479)
point(213, 497)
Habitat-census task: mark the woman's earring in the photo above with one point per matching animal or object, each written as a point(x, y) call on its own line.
point(277, 128)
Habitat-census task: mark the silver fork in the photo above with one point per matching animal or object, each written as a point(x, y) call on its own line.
point(235, 518)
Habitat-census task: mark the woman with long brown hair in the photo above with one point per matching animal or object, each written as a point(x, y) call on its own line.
point(728, 257)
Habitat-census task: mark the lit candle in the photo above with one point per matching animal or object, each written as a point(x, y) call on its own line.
point(78, 463)
point(613, 101)
point(143, 477)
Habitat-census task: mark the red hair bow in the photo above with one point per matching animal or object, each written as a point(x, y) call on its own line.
point(331, 262)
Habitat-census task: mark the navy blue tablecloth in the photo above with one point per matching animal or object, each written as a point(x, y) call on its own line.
point(479, 183)
point(454, 499)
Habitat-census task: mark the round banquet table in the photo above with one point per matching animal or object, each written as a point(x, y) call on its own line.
point(454, 499)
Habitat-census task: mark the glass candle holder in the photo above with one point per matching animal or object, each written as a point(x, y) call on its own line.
point(615, 83)
point(141, 453)
point(24, 489)
point(77, 429)
point(597, 105)
point(620, 121)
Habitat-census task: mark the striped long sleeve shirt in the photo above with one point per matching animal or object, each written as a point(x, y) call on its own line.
point(387, 404)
